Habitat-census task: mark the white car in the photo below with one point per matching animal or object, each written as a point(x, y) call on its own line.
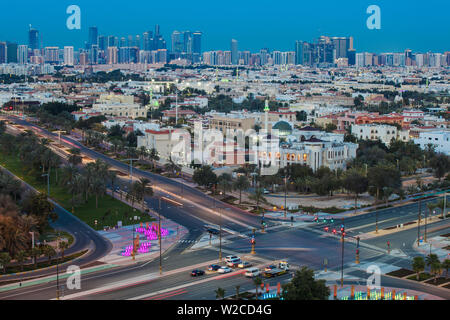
point(252, 272)
point(244, 264)
point(224, 270)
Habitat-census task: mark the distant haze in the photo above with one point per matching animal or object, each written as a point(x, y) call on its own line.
point(405, 24)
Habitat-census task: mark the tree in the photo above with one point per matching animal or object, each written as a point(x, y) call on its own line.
point(225, 182)
point(63, 245)
point(418, 265)
point(220, 293)
point(153, 156)
point(205, 177)
point(5, 259)
point(241, 184)
point(257, 282)
point(20, 257)
point(144, 189)
point(49, 252)
point(433, 262)
point(258, 196)
point(74, 157)
point(441, 165)
point(355, 182)
point(446, 266)
point(42, 209)
point(303, 286)
point(112, 175)
point(384, 176)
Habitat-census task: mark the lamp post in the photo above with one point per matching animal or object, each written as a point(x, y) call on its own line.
point(342, 260)
point(285, 195)
point(131, 168)
point(418, 222)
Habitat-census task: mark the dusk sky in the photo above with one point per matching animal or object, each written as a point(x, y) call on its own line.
point(417, 25)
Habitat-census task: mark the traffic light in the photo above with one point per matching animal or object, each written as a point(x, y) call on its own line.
point(326, 229)
point(316, 219)
point(334, 231)
point(332, 220)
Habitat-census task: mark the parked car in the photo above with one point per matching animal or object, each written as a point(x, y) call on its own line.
point(224, 270)
point(214, 267)
point(197, 272)
point(234, 263)
point(252, 272)
point(244, 264)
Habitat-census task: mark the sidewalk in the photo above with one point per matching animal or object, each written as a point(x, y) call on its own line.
point(434, 245)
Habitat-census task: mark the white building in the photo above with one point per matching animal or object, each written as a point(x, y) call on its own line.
point(68, 56)
point(119, 106)
point(439, 139)
point(382, 132)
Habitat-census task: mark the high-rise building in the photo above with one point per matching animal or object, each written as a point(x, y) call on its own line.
point(147, 39)
point(23, 54)
point(51, 55)
point(3, 52)
point(177, 42)
point(93, 37)
point(112, 55)
point(197, 45)
point(341, 46)
point(234, 52)
point(112, 41)
point(33, 39)
point(11, 52)
point(102, 43)
point(68, 56)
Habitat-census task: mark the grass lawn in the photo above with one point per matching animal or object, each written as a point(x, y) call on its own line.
point(109, 210)
point(422, 276)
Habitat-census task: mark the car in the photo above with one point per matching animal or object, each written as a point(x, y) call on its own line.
point(252, 272)
point(212, 231)
point(244, 264)
point(224, 270)
point(197, 272)
point(266, 191)
point(229, 258)
point(233, 262)
point(214, 267)
point(268, 268)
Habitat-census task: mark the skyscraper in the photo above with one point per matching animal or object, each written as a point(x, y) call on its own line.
point(234, 52)
point(23, 54)
point(2, 52)
point(102, 43)
point(93, 37)
point(177, 42)
point(33, 39)
point(197, 39)
point(68, 56)
point(11, 52)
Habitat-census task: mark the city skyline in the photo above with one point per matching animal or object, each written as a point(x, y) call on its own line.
point(400, 30)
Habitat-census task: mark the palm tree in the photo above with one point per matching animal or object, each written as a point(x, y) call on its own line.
point(418, 265)
point(74, 157)
point(241, 184)
point(257, 282)
point(446, 266)
point(49, 252)
point(258, 197)
point(433, 262)
point(225, 182)
point(5, 259)
point(20, 257)
point(63, 245)
point(142, 151)
point(98, 188)
point(144, 189)
point(220, 293)
point(112, 175)
point(55, 162)
point(172, 167)
point(153, 155)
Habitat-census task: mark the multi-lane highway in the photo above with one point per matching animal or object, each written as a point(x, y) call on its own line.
point(306, 244)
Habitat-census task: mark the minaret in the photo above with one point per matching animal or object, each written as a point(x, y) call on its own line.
point(266, 116)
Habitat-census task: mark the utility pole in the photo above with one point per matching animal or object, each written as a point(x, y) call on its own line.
point(376, 220)
point(425, 233)
point(285, 195)
point(159, 238)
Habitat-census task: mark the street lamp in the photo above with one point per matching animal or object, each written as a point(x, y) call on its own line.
point(159, 237)
point(131, 168)
point(57, 269)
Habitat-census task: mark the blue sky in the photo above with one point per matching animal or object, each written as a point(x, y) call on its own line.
point(417, 25)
